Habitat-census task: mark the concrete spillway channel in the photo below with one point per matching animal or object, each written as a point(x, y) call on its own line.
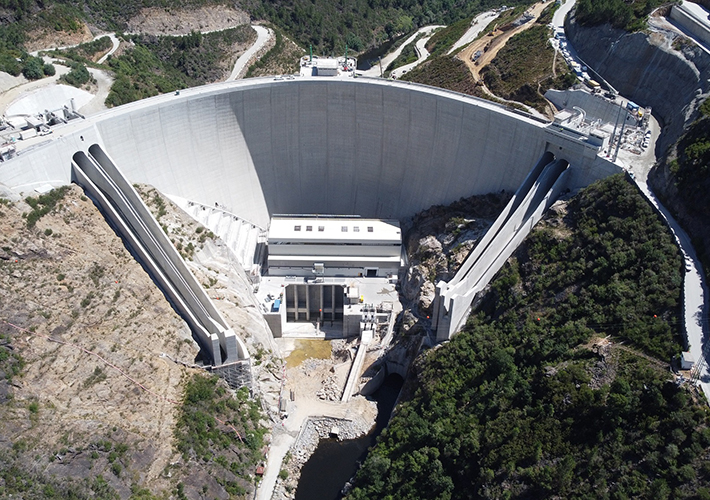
point(121, 204)
point(537, 192)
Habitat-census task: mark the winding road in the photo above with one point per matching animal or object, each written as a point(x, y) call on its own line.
point(263, 35)
point(19, 88)
point(479, 23)
point(391, 56)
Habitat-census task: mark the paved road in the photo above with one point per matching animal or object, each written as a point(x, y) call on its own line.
point(375, 70)
point(112, 36)
point(114, 47)
point(263, 36)
point(477, 25)
point(422, 53)
point(558, 18)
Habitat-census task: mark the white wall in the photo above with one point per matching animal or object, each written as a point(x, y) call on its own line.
point(358, 146)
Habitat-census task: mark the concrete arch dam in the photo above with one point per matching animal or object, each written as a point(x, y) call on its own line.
point(367, 147)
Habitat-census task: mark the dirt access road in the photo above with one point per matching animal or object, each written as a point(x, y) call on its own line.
point(496, 42)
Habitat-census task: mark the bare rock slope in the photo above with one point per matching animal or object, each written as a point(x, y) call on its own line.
point(89, 399)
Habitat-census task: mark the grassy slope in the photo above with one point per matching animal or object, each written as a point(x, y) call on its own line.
point(522, 70)
point(519, 406)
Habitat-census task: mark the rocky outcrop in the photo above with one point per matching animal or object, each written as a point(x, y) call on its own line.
point(658, 69)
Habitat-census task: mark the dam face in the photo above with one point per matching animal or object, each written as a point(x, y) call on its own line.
point(367, 147)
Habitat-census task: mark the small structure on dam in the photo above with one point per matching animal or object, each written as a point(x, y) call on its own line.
point(328, 66)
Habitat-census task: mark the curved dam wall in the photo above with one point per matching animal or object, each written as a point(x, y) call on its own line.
point(366, 147)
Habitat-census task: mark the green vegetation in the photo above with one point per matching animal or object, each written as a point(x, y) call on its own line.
point(630, 15)
point(283, 57)
point(328, 26)
point(85, 52)
point(445, 72)
point(445, 38)
point(235, 444)
point(16, 62)
point(163, 64)
point(18, 481)
point(522, 71)
point(522, 405)
point(44, 204)
point(11, 363)
point(96, 377)
point(690, 175)
point(77, 76)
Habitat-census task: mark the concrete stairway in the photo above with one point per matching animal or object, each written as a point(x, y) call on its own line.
point(244, 239)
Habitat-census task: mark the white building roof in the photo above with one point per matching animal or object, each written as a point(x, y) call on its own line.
point(334, 230)
point(688, 357)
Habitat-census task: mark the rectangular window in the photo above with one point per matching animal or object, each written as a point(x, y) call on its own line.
point(309, 228)
point(321, 228)
point(296, 228)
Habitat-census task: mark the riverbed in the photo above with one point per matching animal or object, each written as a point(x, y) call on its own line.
point(334, 462)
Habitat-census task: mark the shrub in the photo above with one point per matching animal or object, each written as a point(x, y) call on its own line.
point(33, 68)
point(78, 75)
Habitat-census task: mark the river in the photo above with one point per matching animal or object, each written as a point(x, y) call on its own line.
point(335, 462)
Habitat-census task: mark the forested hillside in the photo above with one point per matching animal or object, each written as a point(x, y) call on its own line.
point(532, 401)
point(326, 25)
point(683, 181)
point(329, 25)
point(630, 15)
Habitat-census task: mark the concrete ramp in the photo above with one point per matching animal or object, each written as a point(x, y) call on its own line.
point(124, 208)
point(538, 191)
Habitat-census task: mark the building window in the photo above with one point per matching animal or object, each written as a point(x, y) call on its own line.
point(344, 229)
point(309, 228)
point(356, 229)
point(370, 229)
point(321, 228)
point(296, 228)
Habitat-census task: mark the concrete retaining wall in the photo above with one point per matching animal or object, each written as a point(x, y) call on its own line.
point(688, 20)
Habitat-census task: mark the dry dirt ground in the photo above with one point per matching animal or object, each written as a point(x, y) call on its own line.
point(86, 315)
point(495, 43)
point(71, 279)
point(50, 39)
point(158, 21)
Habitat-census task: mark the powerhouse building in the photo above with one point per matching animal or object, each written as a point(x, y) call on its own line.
point(334, 246)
